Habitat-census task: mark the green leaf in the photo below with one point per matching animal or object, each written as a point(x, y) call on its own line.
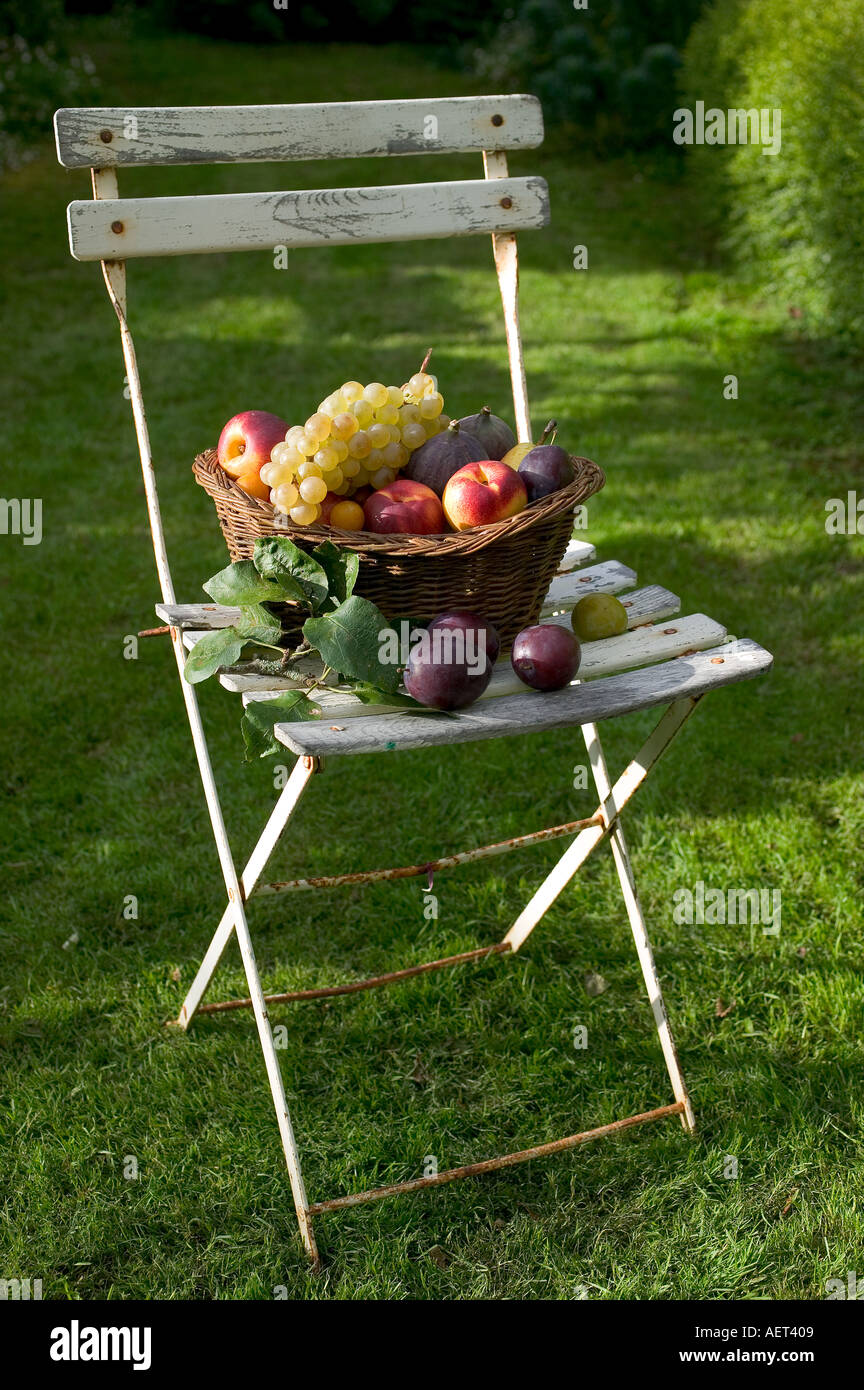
point(373, 695)
point(260, 716)
point(240, 584)
point(212, 651)
point(297, 574)
point(348, 640)
point(341, 568)
point(257, 624)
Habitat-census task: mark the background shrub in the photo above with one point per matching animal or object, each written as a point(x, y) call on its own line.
point(442, 25)
point(611, 69)
point(37, 73)
point(794, 220)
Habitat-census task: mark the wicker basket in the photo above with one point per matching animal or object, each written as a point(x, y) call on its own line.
point(502, 571)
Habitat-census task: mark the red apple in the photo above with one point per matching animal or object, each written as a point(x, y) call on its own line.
point(406, 507)
point(247, 439)
point(481, 493)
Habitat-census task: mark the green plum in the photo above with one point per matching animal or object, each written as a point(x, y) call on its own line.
point(598, 615)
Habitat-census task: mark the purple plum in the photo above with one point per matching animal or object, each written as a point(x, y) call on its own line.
point(545, 469)
point(461, 621)
point(546, 657)
point(451, 665)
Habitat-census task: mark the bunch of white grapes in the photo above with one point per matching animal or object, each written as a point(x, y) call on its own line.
point(359, 435)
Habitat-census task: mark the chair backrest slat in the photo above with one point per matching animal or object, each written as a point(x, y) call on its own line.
point(124, 228)
point(100, 136)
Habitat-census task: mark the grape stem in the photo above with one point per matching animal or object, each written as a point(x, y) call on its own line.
point(424, 364)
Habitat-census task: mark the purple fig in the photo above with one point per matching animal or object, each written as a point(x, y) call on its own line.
point(493, 433)
point(435, 462)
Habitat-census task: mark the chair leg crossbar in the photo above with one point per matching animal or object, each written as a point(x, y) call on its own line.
point(355, 986)
point(449, 861)
point(589, 833)
point(492, 1165)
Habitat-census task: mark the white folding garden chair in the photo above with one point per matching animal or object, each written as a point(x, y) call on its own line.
point(663, 659)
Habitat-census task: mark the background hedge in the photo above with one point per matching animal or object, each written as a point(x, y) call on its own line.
point(792, 221)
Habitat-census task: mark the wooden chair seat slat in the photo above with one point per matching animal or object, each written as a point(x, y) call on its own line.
point(645, 646)
point(607, 698)
point(642, 644)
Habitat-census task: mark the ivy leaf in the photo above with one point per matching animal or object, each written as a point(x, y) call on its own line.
point(341, 568)
point(298, 575)
point(240, 584)
point(257, 624)
point(349, 641)
point(260, 716)
point(212, 651)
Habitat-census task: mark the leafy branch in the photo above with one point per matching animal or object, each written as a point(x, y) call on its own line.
point(341, 628)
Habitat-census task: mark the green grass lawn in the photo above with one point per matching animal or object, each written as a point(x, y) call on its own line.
point(721, 501)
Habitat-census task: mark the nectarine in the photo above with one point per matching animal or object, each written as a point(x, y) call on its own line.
point(251, 483)
point(481, 493)
point(404, 507)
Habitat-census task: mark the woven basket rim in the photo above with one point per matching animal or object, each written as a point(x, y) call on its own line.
point(588, 481)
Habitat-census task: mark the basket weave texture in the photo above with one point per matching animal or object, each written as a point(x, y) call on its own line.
point(502, 571)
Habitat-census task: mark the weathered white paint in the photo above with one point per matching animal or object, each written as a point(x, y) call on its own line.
point(582, 704)
point(609, 577)
point(132, 227)
point(302, 772)
point(577, 553)
point(328, 130)
point(588, 839)
point(621, 856)
point(506, 255)
point(197, 615)
point(644, 646)
point(604, 657)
